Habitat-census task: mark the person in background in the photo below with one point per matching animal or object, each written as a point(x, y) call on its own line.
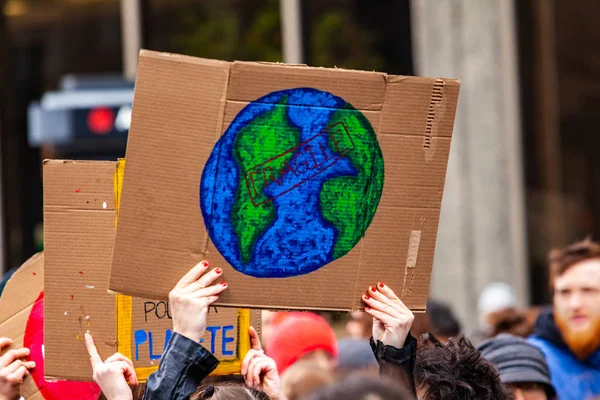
point(13, 370)
point(512, 321)
point(356, 387)
point(455, 371)
point(355, 354)
point(495, 297)
point(522, 367)
point(360, 325)
point(569, 334)
point(299, 336)
point(443, 324)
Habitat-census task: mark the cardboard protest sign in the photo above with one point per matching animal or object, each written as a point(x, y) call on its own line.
point(22, 319)
point(80, 213)
point(307, 185)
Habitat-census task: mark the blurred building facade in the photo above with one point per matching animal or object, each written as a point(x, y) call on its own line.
point(523, 168)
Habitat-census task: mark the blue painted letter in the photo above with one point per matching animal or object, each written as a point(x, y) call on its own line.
point(226, 340)
point(150, 344)
point(213, 335)
point(140, 337)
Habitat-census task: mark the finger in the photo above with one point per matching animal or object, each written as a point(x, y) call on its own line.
point(119, 357)
point(193, 275)
point(95, 359)
point(17, 364)
point(210, 300)
point(13, 355)
point(379, 306)
point(254, 339)
point(377, 295)
point(256, 370)
point(205, 280)
point(29, 364)
point(213, 290)
point(129, 373)
point(4, 341)
point(249, 356)
point(380, 316)
point(386, 290)
point(18, 375)
point(12, 367)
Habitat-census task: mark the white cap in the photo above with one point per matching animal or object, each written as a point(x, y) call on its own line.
point(495, 297)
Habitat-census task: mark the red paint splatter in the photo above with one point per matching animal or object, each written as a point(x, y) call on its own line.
point(72, 297)
point(77, 190)
point(34, 339)
point(34, 274)
point(80, 272)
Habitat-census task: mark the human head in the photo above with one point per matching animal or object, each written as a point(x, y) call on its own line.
point(512, 321)
point(575, 281)
point(494, 297)
point(301, 335)
point(358, 387)
point(229, 391)
point(521, 365)
point(303, 378)
point(442, 321)
point(455, 371)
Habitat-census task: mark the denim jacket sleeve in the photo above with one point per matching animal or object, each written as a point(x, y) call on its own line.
point(183, 365)
point(395, 363)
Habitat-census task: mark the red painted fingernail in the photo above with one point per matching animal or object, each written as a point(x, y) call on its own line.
point(367, 296)
point(367, 308)
point(224, 283)
point(218, 270)
point(381, 284)
point(205, 263)
point(373, 289)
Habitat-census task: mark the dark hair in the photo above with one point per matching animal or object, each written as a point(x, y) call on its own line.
point(361, 387)
point(442, 319)
point(229, 391)
point(510, 320)
point(563, 259)
point(456, 371)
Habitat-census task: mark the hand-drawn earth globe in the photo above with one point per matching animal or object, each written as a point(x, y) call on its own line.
point(292, 184)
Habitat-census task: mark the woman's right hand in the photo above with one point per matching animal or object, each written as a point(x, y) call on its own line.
point(192, 296)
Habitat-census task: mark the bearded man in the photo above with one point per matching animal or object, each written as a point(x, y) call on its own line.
point(569, 335)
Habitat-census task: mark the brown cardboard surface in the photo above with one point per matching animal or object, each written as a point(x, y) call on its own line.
point(183, 106)
point(80, 212)
point(21, 319)
point(20, 293)
point(79, 225)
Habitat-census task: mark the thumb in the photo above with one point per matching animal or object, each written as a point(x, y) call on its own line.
point(254, 339)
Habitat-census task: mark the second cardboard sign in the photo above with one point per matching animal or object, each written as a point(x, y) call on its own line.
point(80, 212)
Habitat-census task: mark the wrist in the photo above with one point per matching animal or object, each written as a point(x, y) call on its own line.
point(190, 334)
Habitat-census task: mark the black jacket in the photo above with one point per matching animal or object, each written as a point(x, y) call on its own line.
point(183, 365)
point(397, 364)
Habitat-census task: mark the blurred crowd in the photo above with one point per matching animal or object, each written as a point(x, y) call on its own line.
point(386, 352)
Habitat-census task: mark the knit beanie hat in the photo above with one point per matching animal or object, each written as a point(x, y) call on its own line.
point(517, 360)
point(297, 334)
point(355, 354)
